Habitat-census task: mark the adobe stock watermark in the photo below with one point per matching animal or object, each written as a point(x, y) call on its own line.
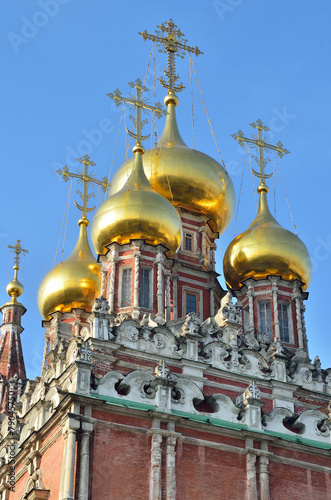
point(12, 446)
point(92, 139)
point(31, 27)
point(278, 122)
point(223, 7)
point(322, 251)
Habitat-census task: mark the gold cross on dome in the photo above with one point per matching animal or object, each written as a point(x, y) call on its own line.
point(171, 40)
point(261, 143)
point(137, 101)
point(18, 250)
point(86, 177)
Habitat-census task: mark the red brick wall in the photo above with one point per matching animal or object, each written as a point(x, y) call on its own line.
point(121, 462)
point(51, 464)
point(209, 474)
point(295, 483)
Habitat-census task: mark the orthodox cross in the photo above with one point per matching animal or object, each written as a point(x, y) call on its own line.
point(170, 40)
point(137, 101)
point(18, 250)
point(86, 177)
point(259, 142)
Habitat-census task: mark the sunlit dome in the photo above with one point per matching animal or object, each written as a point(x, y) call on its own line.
point(186, 177)
point(266, 248)
point(72, 283)
point(136, 211)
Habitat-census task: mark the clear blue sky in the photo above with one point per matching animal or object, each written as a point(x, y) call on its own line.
point(268, 60)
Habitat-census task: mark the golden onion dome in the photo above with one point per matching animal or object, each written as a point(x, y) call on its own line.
point(266, 248)
point(187, 178)
point(14, 289)
point(72, 283)
point(136, 211)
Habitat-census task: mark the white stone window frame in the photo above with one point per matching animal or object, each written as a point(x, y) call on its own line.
point(194, 241)
point(187, 289)
point(151, 286)
point(120, 278)
point(260, 302)
point(290, 320)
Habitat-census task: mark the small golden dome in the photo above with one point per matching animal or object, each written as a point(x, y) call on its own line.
point(266, 248)
point(14, 289)
point(72, 283)
point(136, 211)
point(186, 177)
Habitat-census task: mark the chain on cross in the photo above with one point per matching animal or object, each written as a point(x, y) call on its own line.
point(141, 104)
point(261, 143)
point(86, 177)
point(170, 39)
point(18, 250)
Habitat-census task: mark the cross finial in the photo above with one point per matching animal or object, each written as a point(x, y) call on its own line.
point(261, 143)
point(170, 39)
point(18, 250)
point(84, 176)
point(137, 101)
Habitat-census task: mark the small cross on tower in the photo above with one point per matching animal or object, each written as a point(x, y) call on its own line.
point(261, 143)
point(137, 101)
point(85, 177)
point(18, 250)
point(170, 39)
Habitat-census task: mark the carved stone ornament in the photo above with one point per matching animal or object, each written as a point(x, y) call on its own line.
point(162, 370)
point(101, 305)
point(83, 353)
point(191, 325)
point(120, 318)
point(159, 340)
point(231, 311)
point(252, 391)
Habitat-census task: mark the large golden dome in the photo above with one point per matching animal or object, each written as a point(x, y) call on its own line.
point(186, 177)
point(72, 283)
point(266, 248)
point(136, 211)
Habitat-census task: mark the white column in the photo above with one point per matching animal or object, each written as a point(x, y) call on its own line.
point(64, 458)
point(155, 476)
point(250, 295)
point(175, 295)
point(136, 308)
point(160, 292)
point(251, 489)
point(171, 465)
point(203, 245)
point(84, 461)
point(264, 477)
point(69, 471)
point(111, 284)
point(213, 261)
point(103, 283)
point(167, 295)
point(212, 301)
point(297, 300)
point(276, 312)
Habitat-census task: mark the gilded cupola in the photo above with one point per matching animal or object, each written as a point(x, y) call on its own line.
point(136, 211)
point(76, 282)
point(265, 248)
point(186, 177)
point(72, 283)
